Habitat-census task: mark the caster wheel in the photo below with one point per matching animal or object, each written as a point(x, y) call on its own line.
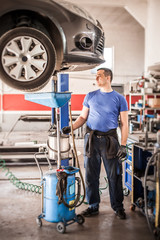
point(39, 222)
point(80, 219)
point(126, 192)
point(132, 207)
point(61, 228)
point(156, 233)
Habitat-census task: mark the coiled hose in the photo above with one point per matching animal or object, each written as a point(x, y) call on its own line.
point(15, 181)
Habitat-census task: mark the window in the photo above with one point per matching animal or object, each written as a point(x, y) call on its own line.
point(108, 57)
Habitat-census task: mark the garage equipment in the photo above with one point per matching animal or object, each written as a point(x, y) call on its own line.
point(59, 197)
point(152, 191)
point(144, 166)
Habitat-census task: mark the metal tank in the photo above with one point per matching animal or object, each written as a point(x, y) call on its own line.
point(53, 149)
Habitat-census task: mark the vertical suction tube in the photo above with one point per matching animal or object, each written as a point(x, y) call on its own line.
point(76, 156)
point(58, 140)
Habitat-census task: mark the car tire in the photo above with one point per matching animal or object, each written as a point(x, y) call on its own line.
point(27, 58)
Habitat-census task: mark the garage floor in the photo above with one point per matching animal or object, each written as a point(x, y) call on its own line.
point(20, 208)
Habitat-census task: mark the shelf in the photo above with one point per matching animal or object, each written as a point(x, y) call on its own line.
point(136, 94)
point(149, 149)
point(137, 108)
point(136, 122)
point(142, 94)
point(137, 80)
point(140, 108)
point(136, 131)
point(129, 172)
point(129, 162)
point(157, 108)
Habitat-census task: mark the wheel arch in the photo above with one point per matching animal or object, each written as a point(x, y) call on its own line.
point(34, 82)
point(43, 23)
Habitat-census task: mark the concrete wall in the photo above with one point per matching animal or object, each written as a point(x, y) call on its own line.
point(129, 53)
point(152, 51)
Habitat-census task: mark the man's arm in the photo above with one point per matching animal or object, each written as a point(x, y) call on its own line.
point(82, 118)
point(124, 127)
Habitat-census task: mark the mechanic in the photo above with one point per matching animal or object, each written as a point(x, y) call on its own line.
point(101, 110)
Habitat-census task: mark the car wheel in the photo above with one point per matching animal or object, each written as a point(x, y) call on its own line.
point(27, 58)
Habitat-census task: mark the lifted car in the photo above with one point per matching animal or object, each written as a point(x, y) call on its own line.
point(41, 37)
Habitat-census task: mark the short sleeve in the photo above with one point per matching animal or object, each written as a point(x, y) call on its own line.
point(123, 104)
point(85, 102)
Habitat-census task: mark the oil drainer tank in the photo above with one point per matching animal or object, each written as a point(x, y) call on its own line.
point(60, 187)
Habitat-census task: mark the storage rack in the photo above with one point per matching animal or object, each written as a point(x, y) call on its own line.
point(141, 110)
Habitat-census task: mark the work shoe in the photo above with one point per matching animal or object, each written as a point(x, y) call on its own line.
point(90, 212)
point(121, 214)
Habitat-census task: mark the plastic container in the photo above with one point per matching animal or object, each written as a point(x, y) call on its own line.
point(140, 118)
point(52, 211)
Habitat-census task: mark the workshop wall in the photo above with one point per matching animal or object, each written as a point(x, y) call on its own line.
point(152, 36)
point(129, 53)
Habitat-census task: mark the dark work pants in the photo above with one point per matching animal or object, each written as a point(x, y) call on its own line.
point(113, 169)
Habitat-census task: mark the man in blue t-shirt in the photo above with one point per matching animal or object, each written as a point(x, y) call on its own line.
point(101, 111)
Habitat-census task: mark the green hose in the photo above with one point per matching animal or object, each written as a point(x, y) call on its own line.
point(100, 190)
point(32, 187)
point(15, 181)
point(103, 188)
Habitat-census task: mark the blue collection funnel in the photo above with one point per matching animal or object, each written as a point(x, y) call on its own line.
point(49, 99)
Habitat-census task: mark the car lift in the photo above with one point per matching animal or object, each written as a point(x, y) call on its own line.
point(25, 154)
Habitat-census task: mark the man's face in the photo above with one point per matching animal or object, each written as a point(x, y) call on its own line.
point(101, 78)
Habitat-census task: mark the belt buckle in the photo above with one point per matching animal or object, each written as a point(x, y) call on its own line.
point(98, 136)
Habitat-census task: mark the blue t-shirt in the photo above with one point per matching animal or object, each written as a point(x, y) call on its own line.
point(104, 109)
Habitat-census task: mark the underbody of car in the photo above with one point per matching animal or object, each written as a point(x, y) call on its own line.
point(39, 38)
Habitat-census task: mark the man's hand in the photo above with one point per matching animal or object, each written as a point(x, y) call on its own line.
point(122, 152)
point(66, 130)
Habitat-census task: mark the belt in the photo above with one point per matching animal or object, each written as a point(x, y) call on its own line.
point(99, 136)
point(111, 142)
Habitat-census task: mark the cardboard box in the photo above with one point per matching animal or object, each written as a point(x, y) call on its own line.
point(154, 102)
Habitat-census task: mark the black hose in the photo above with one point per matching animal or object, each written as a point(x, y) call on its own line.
point(77, 197)
point(76, 156)
point(145, 188)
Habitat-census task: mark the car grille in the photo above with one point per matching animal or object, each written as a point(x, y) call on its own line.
point(100, 46)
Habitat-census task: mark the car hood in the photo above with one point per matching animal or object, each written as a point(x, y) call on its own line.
point(76, 10)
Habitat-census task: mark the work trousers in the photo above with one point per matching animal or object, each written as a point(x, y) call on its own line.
point(113, 168)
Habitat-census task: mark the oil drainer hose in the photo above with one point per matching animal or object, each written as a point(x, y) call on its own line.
point(76, 156)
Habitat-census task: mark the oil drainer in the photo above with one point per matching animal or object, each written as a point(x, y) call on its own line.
point(60, 188)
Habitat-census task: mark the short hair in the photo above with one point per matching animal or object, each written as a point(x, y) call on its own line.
point(107, 72)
